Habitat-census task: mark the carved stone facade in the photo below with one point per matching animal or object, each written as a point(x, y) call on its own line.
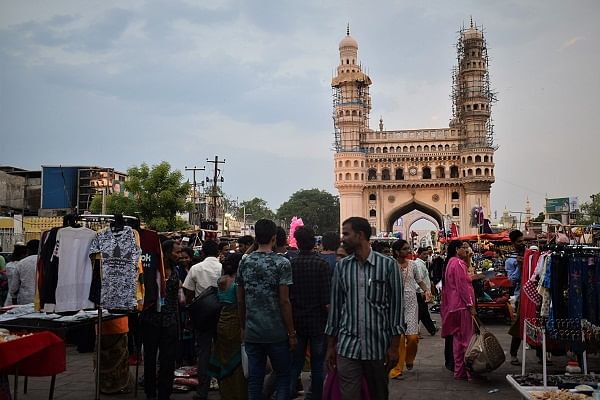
point(445, 173)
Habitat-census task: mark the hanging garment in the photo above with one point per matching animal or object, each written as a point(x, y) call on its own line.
point(48, 268)
point(527, 308)
point(74, 268)
point(152, 263)
point(120, 255)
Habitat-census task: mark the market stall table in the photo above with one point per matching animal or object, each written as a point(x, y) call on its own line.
point(38, 354)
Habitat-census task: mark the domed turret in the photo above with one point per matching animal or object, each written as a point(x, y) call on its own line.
point(348, 41)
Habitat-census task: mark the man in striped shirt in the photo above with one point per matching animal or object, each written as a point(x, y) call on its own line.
point(366, 317)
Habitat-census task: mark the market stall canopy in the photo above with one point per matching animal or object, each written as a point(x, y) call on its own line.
point(492, 237)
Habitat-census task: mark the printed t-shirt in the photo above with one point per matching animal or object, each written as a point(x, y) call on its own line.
point(120, 255)
point(74, 268)
point(261, 274)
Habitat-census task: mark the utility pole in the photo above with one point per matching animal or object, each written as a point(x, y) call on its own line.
point(194, 169)
point(216, 162)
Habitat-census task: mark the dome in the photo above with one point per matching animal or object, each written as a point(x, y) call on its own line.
point(348, 41)
point(473, 33)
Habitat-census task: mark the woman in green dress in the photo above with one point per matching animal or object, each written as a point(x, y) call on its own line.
point(226, 360)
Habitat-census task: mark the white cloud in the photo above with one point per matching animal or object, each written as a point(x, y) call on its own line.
point(571, 42)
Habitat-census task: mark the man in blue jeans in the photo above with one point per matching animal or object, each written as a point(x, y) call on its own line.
point(265, 313)
point(310, 295)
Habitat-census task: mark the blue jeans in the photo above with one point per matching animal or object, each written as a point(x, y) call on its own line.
point(317, 362)
point(280, 357)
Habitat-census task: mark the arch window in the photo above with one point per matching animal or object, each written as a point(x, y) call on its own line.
point(412, 149)
point(340, 177)
point(362, 164)
point(464, 173)
point(426, 173)
point(491, 159)
point(477, 159)
point(454, 171)
point(470, 172)
point(371, 150)
point(348, 176)
point(455, 212)
point(347, 61)
point(378, 150)
point(440, 148)
point(398, 149)
point(348, 112)
point(372, 174)
point(347, 163)
point(405, 149)
point(385, 174)
point(372, 213)
point(478, 172)
point(447, 147)
point(426, 148)
point(486, 172)
point(391, 149)
point(385, 149)
point(455, 196)
point(399, 174)
point(356, 163)
point(362, 176)
point(486, 159)
point(440, 172)
point(469, 159)
point(372, 197)
point(354, 112)
point(419, 148)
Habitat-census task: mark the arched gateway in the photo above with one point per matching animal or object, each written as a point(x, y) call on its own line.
point(443, 172)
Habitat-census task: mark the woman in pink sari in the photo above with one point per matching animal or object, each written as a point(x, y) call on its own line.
point(458, 306)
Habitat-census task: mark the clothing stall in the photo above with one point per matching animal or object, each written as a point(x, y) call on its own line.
point(560, 312)
point(94, 270)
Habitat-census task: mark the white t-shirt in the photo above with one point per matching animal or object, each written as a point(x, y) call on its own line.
point(203, 275)
point(74, 268)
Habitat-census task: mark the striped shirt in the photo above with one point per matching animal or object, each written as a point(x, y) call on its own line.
point(366, 306)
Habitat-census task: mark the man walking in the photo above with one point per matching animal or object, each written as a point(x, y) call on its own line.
point(366, 317)
point(423, 254)
point(331, 242)
point(310, 296)
point(265, 313)
point(201, 276)
point(513, 265)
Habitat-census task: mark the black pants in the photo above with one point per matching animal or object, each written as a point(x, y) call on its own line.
point(204, 341)
point(448, 353)
point(164, 341)
point(515, 342)
point(424, 316)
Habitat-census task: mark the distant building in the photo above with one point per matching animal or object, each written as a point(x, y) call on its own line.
point(20, 191)
point(68, 189)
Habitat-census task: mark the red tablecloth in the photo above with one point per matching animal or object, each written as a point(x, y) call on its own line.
point(40, 354)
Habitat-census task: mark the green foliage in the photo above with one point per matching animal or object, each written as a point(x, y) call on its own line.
point(540, 218)
point(317, 208)
point(157, 194)
point(256, 209)
point(589, 212)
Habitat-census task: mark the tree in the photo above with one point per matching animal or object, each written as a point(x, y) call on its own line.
point(317, 208)
point(540, 218)
point(157, 194)
point(589, 212)
point(256, 209)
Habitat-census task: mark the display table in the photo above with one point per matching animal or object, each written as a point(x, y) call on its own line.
point(39, 354)
point(525, 391)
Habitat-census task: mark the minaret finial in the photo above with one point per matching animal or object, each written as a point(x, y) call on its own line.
point(471, 21)
point(348, 29)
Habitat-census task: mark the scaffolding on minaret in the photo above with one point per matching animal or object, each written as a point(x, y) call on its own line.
point(472, 95)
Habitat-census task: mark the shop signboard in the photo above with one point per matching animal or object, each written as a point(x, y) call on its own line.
point(558, 205)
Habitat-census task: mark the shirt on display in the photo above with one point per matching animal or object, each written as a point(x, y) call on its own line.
point(120, 255)
point(74, 268)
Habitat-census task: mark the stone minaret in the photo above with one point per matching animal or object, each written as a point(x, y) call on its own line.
point(351, 107)
point(472, 100)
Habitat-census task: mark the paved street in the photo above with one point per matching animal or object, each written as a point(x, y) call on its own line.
point(428, 380)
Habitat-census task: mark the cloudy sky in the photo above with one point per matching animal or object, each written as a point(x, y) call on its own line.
point(117, 83)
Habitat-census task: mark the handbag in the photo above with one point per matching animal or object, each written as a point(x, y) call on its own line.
point(332, 391)
point(205, 309)
point(484, 353)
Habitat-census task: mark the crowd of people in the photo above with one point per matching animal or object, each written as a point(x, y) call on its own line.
point(342, 305)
